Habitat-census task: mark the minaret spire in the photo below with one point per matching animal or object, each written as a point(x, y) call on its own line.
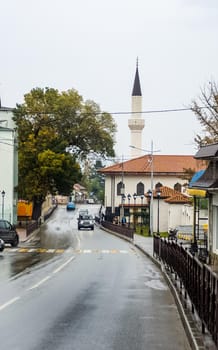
point(136, 123)
point(136, 91)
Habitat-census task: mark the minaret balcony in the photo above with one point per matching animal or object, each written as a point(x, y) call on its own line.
point(136, 124)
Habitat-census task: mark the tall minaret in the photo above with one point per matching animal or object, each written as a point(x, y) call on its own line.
point(136, 124)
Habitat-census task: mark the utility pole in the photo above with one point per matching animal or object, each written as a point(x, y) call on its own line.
point(151, 153)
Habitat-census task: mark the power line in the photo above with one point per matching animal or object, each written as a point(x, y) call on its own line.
point(170, 110)
point(159, 111)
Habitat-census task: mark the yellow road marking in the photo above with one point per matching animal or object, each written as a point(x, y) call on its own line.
point(23, 250)
point(41, 250)
point(59, 251)
point(113, 251)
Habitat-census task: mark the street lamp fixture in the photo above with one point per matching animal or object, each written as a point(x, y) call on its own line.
point(149, 193)
point(158, 193)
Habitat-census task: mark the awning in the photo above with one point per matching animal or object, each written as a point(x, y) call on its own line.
point(196, 192)
point(208, 179)
point(196, 177)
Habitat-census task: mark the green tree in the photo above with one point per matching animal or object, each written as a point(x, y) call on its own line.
point(48, 121)
point(95, 181)
point(206, 110)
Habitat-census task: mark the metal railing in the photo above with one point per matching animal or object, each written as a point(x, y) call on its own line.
point(120, 229)
point(197, 281)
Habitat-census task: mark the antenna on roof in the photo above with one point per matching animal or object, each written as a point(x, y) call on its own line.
point(137, 62)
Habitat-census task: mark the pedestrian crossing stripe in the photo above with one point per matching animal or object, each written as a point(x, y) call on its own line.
point(60, 251)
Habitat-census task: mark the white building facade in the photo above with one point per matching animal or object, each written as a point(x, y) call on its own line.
point(9, 166)
point(127, 185)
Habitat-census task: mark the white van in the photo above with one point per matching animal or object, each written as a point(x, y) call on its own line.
point(90, 201)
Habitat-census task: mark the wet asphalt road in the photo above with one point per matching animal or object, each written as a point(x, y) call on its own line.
point(56, 235)
point(101, 293)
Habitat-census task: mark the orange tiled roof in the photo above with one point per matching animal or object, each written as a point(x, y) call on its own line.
point(178, 198)
point(172, 196)
point(161, 164)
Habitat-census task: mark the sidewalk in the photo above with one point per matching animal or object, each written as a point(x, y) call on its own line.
point(22, 234)
point(144, 243)
point(23, 237)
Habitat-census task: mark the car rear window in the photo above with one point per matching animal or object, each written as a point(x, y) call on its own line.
point(87, 217)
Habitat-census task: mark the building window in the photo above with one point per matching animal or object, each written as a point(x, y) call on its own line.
point(178, 187)
point(140, 189)
point(120, 188)
point(158, 185)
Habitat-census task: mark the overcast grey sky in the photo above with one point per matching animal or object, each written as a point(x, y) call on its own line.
point(92, 46)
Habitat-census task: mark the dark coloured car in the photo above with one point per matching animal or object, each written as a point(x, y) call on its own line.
point(83, 212)
point(2, 245)
point(8, 233)
point(87, 221)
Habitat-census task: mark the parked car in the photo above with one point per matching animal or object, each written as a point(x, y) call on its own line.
point(71, 206)
point(2, 245)
point(8, 233)
point(87, 221)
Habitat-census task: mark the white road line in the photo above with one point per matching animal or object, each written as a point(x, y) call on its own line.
point(50, 250)
point(9, 303)
point(39, 283)
point(63, 265)
point(85, 251)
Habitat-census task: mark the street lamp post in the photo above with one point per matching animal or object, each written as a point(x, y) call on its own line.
point(158, 210)
point(134, 197)
point(123, 219)
point(129, 197)
point(122, 205)
point(3, 203)
point(142, 197)
point(150, 216)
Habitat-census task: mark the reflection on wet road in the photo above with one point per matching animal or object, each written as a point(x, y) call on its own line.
point(57, 235)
